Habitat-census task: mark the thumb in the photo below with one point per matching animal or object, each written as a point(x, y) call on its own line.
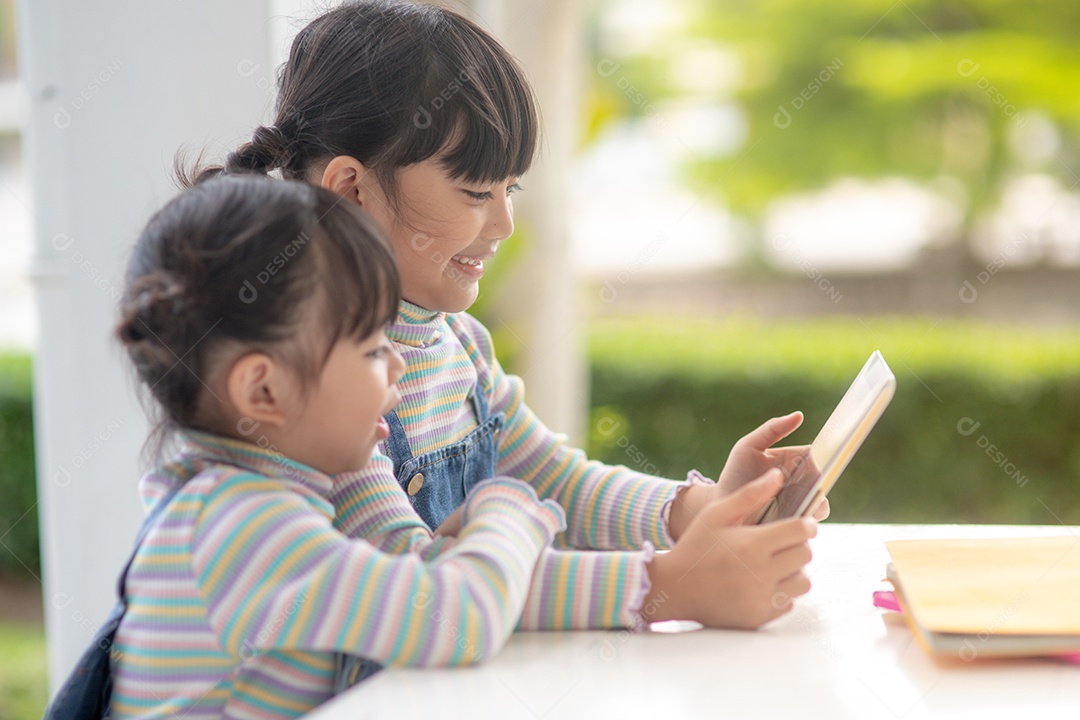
point(745, 504)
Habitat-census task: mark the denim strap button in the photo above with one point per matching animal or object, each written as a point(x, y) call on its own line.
point(416, 483)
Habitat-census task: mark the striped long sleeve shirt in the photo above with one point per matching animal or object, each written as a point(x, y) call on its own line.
point(243, 590)
point(611, 508)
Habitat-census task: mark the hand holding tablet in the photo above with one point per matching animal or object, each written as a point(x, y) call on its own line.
point(814, 473)
point(736, 583)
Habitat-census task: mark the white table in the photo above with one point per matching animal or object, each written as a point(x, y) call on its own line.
point(833, 656)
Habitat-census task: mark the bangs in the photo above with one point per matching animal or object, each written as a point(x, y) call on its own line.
point(487, 148)
point(476, 111)
point(356, 272)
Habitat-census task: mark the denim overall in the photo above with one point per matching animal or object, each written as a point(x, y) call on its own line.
point(436, 483)
point(87, 692)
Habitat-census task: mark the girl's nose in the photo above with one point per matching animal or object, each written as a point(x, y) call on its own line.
point(396, 365)
point(500, 221)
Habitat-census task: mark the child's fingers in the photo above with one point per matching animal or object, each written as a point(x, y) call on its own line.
point(451, 526)
point(747, 500)
point(791, 560)
point(792, 458)
point(783, 534)
point(794, 585)
point(773, 431)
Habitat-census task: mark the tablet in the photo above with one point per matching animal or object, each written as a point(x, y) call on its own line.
point(812, 476)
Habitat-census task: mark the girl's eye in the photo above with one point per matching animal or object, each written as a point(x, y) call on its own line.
point(486, 195)
point(380, 352)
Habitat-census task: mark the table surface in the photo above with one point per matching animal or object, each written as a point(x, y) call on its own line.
point(833, 656)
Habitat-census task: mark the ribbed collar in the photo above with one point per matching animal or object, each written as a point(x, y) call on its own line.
point(416, 326)
point(204, 447)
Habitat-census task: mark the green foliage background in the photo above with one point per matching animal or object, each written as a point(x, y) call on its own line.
point(670, 395)
point(24, 690)
point(19, 552)
point(958, 95)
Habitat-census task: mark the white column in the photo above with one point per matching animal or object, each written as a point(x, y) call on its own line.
point(548, 37)
point(113, 90)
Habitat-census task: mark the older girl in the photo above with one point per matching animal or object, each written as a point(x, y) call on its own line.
point(419, 116)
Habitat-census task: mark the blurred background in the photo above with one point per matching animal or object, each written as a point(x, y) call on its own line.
point(756, 195)
point(771, 190)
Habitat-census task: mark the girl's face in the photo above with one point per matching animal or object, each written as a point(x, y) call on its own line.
point(340, 421)
point(445, 231)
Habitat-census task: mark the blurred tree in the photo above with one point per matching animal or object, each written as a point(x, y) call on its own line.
point(969, 92)
point(7, 39)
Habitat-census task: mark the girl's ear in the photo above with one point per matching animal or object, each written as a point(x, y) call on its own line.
point(258, 389)
point(345, 176)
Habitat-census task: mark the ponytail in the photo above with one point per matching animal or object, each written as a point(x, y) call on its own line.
point(267, 150)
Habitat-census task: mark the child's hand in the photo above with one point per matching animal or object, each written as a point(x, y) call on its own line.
point(722, 573)
point(451, 526)
point(822, 509)
point(754, 455)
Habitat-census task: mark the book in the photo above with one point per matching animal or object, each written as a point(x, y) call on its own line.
point(996, 597)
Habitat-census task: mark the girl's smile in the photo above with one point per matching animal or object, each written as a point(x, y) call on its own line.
point(470, 267)
point(441, 229)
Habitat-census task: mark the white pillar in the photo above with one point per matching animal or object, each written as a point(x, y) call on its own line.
point(541, 304)
point(113, 90)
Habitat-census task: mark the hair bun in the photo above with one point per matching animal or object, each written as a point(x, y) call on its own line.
point(272, 138)
point(151, 308)
point(268, 149)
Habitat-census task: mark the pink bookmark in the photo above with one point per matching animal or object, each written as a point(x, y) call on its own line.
point(886, 600)
point(1074, 658)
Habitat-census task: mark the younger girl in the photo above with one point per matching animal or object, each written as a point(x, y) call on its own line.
point(254, 315)
point(419, 116)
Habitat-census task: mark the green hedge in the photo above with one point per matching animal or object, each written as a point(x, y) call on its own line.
point(668, 395)
point(18, 491)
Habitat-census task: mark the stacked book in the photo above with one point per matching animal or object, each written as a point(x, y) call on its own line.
point(984, 598)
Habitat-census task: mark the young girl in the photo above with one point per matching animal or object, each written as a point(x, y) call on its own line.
point(254, 315)
point(419, 116)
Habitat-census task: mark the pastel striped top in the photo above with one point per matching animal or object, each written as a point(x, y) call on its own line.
point(450, 356)
point(243, 590)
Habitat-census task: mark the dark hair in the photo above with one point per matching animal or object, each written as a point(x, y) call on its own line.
point(237, 262)
point(392, 84)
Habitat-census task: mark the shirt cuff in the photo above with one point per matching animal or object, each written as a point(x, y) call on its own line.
point(692, 478)
point(637, 620)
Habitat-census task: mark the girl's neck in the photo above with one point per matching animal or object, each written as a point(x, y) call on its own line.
point(416, 326)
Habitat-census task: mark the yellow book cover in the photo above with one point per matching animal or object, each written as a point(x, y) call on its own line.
point(990, 597)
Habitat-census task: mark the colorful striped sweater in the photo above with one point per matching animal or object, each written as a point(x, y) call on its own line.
point(449, 356)
point(239, 598)
point(243, 590)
